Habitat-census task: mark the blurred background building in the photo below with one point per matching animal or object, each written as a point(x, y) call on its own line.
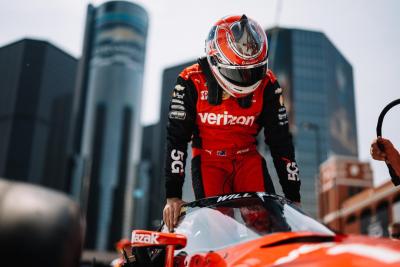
point(105, 146)
point(319, 96)
point(37, 84)
point(350, 204)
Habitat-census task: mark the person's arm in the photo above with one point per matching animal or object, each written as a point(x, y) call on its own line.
point(181, 121)
point(279, 140)
point(390, 154)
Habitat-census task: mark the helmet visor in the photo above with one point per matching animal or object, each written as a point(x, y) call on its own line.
point(244, 76)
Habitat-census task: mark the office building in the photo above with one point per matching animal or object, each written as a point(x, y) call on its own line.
point(340, 179)
point(319, 97)
point(37, 84)
point(349, 202)
point(106, 144)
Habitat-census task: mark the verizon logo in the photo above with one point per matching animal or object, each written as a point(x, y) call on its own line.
point(226, 119)
point(145, 238)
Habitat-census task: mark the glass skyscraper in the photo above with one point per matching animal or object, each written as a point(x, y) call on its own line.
point(107, 131)
point(36, 90)
point(319, 97)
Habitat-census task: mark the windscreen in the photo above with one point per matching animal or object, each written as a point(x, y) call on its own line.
point(239, 220)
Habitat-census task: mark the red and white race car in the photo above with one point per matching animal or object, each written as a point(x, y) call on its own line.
point(253, 229)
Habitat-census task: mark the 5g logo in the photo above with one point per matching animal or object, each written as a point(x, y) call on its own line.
point(293, 171)
point(177, 163)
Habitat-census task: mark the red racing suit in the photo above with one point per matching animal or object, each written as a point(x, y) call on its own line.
point(225, 159)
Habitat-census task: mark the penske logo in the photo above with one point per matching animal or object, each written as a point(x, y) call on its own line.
point(145, 238)
point(226, 119)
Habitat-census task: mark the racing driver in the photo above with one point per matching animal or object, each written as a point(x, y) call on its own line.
point(220, 104)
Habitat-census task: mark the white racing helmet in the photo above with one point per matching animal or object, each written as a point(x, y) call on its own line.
point(236, 50)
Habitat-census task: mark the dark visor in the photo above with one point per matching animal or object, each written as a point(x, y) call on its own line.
point(244, 77)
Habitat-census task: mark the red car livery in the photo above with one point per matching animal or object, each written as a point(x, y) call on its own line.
point(254, 229)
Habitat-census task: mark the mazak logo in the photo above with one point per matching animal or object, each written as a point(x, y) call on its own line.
point(145, 238)
point(226, 119)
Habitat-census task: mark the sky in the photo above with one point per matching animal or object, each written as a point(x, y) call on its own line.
point(367, 32)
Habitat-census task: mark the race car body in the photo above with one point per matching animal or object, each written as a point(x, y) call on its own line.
point(255, 229)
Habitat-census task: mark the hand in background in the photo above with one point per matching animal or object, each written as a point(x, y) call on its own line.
point(388, 154)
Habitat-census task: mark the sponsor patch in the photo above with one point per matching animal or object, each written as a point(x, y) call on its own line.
point(226, 119)
point(179, 87)
point(177, 101)
point(204, 95)
point(145, 238)
point(278, 91)
point(177, 107)
point(282, 116)
point(232, 196)
point(177, 115)
point(178, 95)
point(177, 161)
point(293, 171)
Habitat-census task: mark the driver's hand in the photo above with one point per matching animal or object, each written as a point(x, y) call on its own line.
point(171, 212)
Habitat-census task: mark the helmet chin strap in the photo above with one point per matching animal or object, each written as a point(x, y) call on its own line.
point(215, 91)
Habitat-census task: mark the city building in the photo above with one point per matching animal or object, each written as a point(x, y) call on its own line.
point(340, 179)
point(37, 85)
point(106, 137)
point(156, 137)
point(371, 211)
point(350, 204)
point(319, 97)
